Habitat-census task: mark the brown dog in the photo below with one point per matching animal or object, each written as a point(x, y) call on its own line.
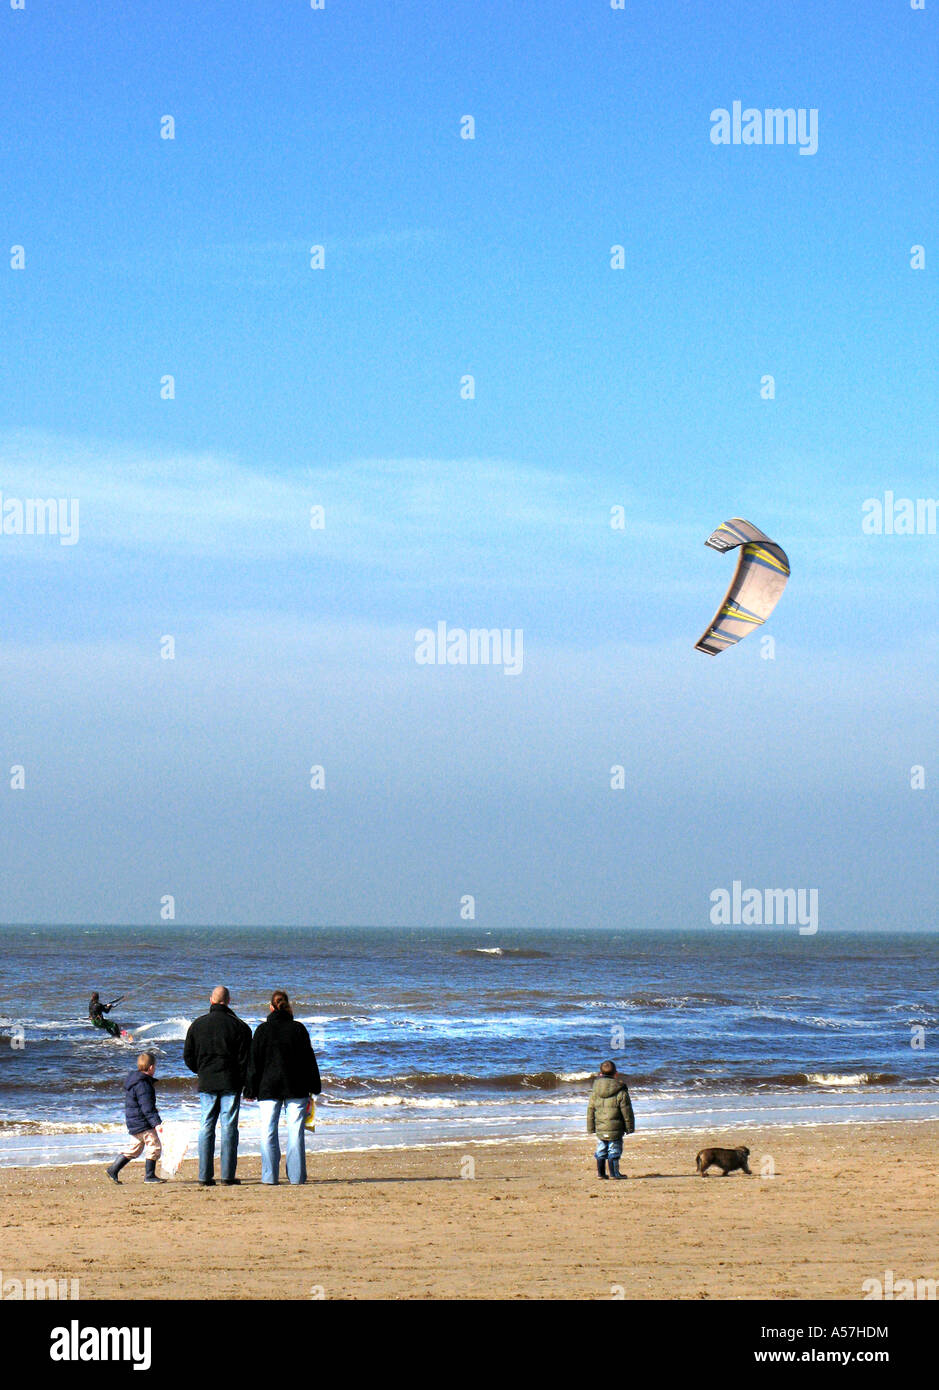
point(725, 1159)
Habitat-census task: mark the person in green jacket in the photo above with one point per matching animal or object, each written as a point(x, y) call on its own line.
point(97, 1011)
point(609, 1117)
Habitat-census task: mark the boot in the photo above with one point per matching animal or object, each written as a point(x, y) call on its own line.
point(114, 1168)
point(149, 1171)
point(614, 1170)
point(601, 1167)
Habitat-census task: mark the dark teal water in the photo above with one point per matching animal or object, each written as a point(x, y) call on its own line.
point(440, 1034)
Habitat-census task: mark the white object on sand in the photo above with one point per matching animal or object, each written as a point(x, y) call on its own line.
point(175, 1139)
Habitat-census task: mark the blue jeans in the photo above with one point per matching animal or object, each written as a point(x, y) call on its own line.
point(609, 1148)
point(218, 1105)
point(270, 1142)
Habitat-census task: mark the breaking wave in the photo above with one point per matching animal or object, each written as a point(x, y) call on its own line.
point(57, 1127)
point(774, 1080)
point(860, 1078)
point(647, 999)
point(460, 1081)
point(163, 1030)
point(494, 952)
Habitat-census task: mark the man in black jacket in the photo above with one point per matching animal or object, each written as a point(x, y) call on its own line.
point(217, 1049)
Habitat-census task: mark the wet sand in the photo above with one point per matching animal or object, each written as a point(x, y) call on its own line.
point(509, 1220)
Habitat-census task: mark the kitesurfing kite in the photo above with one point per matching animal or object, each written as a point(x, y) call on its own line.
point(755, 589)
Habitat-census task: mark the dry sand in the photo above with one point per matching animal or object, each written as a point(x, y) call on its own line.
point(846, 1203)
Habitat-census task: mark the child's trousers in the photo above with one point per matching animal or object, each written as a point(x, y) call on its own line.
point(147, 1139)
point(609, 1148)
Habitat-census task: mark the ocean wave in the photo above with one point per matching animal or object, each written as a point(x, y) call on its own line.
point(391, 1099)
point(57, 1127)
point(649, 999)
point(169, 1030)
point(811, 1020)
point(724, 1078)
point(786, 1079)
point(516, 953)
point(457, 1081)
point(109, 1083)
point(860, 1078)
point(43, 1025)
point(566, 1082)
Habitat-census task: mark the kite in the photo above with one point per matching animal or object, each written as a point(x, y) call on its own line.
point(755, 590)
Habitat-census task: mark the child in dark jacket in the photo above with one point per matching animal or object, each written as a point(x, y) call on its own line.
point(609, 1117)
point(143, 1120)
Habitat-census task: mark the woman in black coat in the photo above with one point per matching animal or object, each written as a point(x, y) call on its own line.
point(282, 1075)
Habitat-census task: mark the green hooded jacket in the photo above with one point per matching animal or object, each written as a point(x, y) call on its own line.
point(609, 1109)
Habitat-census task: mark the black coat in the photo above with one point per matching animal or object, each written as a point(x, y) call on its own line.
point(282, 1065)
point(140, 1109)
point(217, 1048)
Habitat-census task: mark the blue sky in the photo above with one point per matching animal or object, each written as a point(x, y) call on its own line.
point(594, 388)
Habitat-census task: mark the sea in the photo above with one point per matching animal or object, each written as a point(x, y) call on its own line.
point(459, 1036)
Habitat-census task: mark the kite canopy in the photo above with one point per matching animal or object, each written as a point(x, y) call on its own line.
point(755, 590)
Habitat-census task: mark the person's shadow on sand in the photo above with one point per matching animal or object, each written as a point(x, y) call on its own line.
point(438, 1177)
point(324, 1182)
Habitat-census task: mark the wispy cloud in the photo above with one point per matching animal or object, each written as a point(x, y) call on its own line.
point(489, 533)
point(394, 514)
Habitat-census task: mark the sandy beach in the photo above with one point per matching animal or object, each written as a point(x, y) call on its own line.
point(846, 1204)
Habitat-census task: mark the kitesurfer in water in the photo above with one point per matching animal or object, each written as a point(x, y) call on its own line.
point(97, 1011)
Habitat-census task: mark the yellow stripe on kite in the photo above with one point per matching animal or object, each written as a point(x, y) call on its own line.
point(769, 557)
point(730, 612)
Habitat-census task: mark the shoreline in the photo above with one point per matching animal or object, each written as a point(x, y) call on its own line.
point(827, 1207)
point(683, 1131)
point(105, 1142)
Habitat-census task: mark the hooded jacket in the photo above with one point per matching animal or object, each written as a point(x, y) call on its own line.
point(216, 1049)
point(140, 1109)
point(609, 1109)
point(283, 1065)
